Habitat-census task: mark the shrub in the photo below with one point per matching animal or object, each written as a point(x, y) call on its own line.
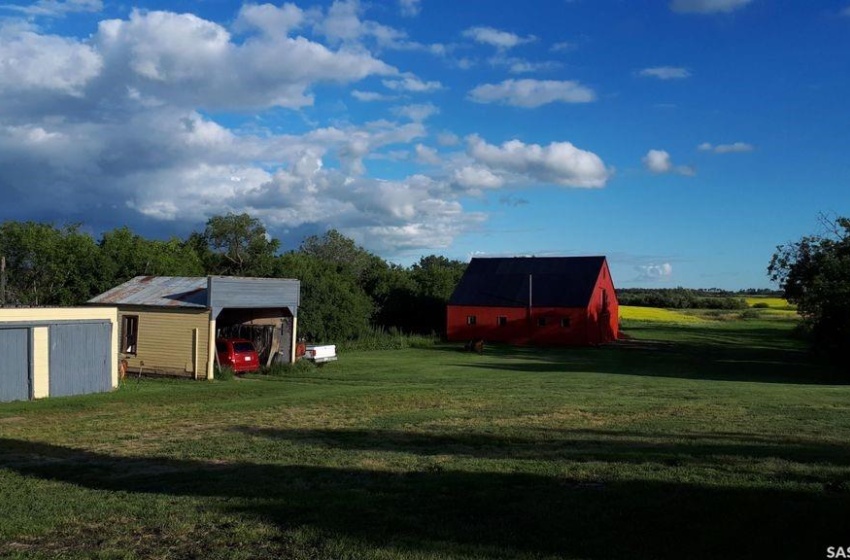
point(224, 373)
point(300, 366)
point(761, 305)
point(378, 338)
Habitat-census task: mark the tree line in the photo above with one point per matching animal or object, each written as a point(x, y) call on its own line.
point(346, 291)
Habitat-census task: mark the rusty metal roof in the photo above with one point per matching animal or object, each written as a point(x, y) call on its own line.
point(158, 291)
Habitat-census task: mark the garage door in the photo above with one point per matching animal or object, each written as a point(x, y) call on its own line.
point(14, 365)
point(80, 358)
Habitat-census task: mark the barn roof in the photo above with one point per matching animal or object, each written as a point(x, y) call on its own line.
point(159, 291)
point(504, 282)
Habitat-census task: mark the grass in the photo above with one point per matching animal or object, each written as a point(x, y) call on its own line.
point(715, 439)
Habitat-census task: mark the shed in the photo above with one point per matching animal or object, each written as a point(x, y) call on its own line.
point(168, 324)
point(535, 301)
point(54, 352)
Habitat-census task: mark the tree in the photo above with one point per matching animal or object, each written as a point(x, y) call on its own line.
point(127, 255)
point(814, 274)
point(239, 245)
point(48, 265)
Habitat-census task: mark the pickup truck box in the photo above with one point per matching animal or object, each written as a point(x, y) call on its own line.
point(320, 354)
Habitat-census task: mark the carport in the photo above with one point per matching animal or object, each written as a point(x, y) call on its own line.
point(168, 324)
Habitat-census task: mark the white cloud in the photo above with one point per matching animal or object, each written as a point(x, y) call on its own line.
point(737, 147)
point(413, 84)
point(448, 139)
point(477, 177)
point(371, 96)
point(846, 11)
point(530, 93)
point(659, 161)
point(707, 6)
point(427, 155)
point(496, 38)
point(30, 62)
point(191, 61)
point(516, 65)
point(665, 72)
point(417, 112)
point(410, 8)
point(270, 19)
point(654, 272)
point(56, 8)
point(559, 163)
point(563, 46)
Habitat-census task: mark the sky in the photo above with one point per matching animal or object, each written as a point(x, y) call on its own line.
point(683, 139)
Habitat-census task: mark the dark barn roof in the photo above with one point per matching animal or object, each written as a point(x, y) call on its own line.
point(503, 282)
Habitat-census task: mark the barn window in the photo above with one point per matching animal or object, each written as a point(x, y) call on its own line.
point(501, 320)
point(470, 319)
point(541, 322)
point(565, 322)
point(129, 333)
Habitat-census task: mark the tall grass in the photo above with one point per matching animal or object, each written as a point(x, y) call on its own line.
point(379, 338)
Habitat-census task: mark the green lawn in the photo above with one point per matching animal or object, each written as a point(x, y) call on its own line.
point(717, 440)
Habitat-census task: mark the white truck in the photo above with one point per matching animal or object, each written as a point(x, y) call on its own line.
point(320, 354)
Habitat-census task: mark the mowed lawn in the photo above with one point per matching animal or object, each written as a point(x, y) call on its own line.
point(718, 439)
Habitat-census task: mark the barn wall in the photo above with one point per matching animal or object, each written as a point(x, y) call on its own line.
point(603, 329)
point(166, 340)
point(520, 328)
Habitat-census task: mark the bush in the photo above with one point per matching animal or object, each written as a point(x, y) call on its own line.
point(761, 305)
point(301, 366)
point(224, 373)
point(750, 314)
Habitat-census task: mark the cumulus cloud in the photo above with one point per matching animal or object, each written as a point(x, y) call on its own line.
point(30, 62)
point(496, 38)
point(474, 177)
point(737, 147)
point(427, 155)
point(659, 162)
point(707, 6)
point(271, 20)
point(665, 72)
point(448, 139)
point(531, 93)
point(416, 112)
point(559, 163)
point(410, 8)
point(654, 272)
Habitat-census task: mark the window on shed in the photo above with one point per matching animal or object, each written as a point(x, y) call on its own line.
point(470, 319)
point(129, 333)
point(541, 322)
point(501, 320)
point(565, 322)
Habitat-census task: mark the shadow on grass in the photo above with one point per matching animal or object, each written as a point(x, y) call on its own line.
point(492, 514)
point(730, 353)
point(582, 445)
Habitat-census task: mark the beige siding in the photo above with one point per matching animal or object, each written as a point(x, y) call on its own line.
point(166, 340)
point(40, 362)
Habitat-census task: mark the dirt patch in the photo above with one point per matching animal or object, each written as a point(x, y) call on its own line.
point(11, 419)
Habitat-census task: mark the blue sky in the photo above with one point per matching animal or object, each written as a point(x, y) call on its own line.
point(684, 139)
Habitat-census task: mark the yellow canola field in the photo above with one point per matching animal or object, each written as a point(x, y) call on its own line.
point(657, 314)
point(772, 302)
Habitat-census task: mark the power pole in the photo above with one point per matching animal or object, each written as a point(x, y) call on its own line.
point(2, 281)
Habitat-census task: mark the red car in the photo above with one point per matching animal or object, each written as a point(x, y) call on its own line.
point(238, 354)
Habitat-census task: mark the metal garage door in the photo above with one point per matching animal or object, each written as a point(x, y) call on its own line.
point(79, 358)
point(14, 365)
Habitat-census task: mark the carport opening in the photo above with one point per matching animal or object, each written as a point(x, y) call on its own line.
point(270, 329)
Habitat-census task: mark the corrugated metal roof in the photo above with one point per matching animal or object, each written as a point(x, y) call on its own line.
point(503, 282)
point(159, 291)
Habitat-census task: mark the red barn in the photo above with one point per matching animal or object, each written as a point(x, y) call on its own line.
point(535, 301)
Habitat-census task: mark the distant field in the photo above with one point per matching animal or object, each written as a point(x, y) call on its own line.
point(655, 314)
point(771, 302)
point(712, 439)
